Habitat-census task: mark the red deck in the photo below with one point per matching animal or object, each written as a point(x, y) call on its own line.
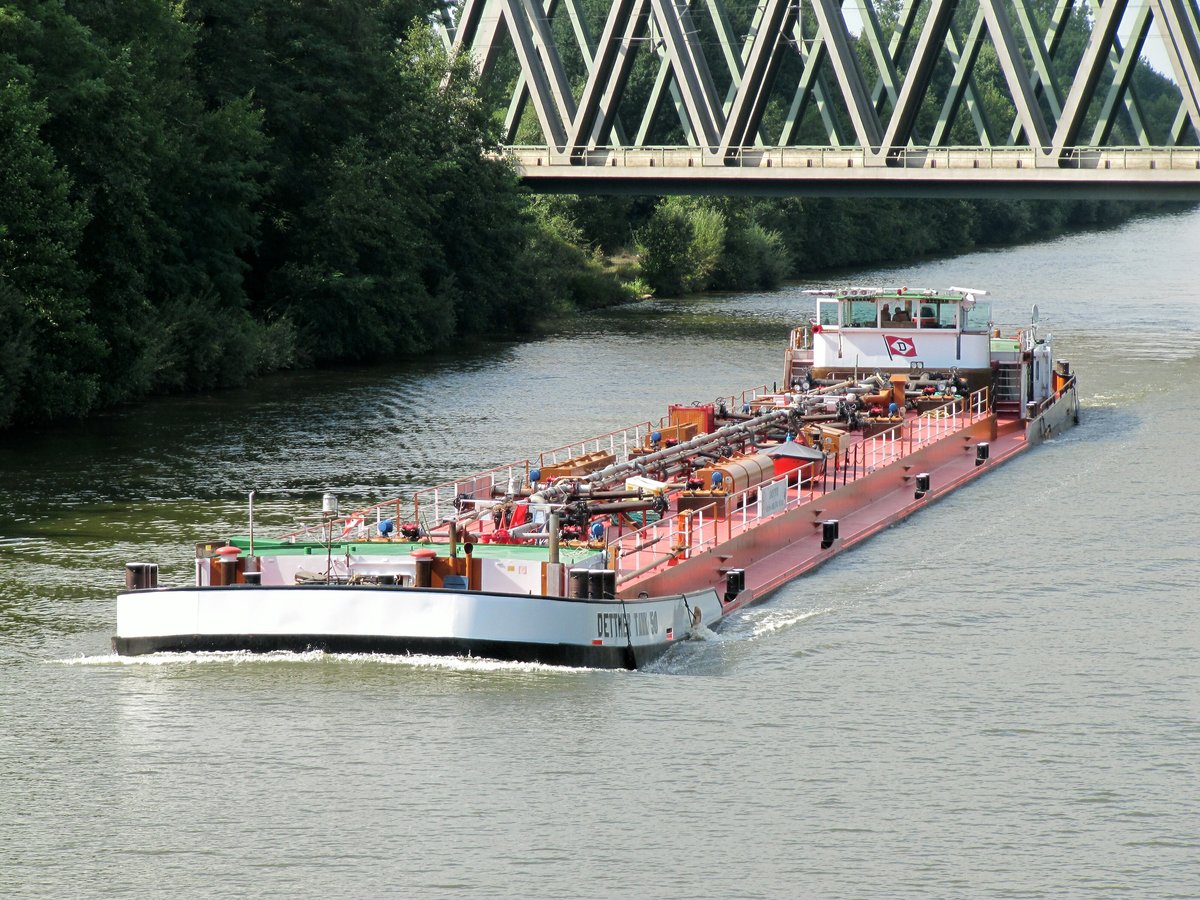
point(780, 548)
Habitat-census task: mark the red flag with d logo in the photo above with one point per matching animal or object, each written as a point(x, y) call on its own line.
point(899, 346)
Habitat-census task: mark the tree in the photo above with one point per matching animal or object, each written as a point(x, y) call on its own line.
point(168, 191)
point(48, 347)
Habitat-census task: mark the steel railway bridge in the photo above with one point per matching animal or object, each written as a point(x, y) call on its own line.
point(813, 97)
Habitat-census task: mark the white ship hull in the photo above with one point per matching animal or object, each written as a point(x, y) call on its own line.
point(386, 619)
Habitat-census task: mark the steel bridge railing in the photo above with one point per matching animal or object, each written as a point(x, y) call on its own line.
point(1076, 158)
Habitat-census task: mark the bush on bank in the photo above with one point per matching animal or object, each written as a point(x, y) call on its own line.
point(695, 244)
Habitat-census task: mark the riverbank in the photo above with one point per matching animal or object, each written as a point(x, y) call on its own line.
point(682, 245)
point(721, 244)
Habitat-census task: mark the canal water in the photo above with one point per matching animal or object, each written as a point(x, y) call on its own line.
point(999, 696)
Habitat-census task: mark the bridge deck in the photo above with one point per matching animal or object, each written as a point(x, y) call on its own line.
point(1168, 173)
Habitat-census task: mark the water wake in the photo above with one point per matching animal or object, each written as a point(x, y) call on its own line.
point(308, 657)
point(770, 621)
point(761, 621)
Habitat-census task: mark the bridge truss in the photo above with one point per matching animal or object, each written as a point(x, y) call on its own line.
point(1024, 96)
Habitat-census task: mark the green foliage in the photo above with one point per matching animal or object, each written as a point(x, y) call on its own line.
point(767, 241)
point(696, 244)
point(754, 258)
point(165, 194)
point(663, 246)
point(707, 244)
point(391, 232)
point(48, 347)
point(16, 346)
point(204, 191)
point(559, 271)
point(602, 222)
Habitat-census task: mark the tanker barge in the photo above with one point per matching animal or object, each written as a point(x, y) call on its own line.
point(606, 552)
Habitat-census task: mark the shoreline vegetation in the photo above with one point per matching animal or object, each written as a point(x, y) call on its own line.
point(196, 194)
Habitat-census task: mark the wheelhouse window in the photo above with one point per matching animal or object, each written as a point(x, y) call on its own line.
point(976, 316)
point(827, 313)
point(860, 313)
point(936, 314)
point(897, 313)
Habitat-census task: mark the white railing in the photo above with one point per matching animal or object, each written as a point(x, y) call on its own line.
point(687, 534)
point(675, 537)
point(432, 505)
point(354, 526)
point(883, 448)
point(748, 400)
point(888, 446)
point(934, 423)
point(616, 442)
point(690, 533)
point(979, 404)
point(620, 442)
point(647, 548)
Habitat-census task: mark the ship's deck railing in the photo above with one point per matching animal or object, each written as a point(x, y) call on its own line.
point(354, 525)
point(742, 400)
point(687, 534)
point(429, 506)
point(616, 442)
point(693, 532)
point(801, 338)
point(432, 505)
point(620, 441)
point(749, 395)
point(1046, 402)
point(674, 537)
point(888, 446)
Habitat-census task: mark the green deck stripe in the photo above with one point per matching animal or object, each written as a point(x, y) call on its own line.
point(403, 548)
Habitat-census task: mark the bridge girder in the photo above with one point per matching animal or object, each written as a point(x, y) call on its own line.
point(799, 61)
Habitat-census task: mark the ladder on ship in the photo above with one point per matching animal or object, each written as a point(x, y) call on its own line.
point(797, 362)
point(1006, 387)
